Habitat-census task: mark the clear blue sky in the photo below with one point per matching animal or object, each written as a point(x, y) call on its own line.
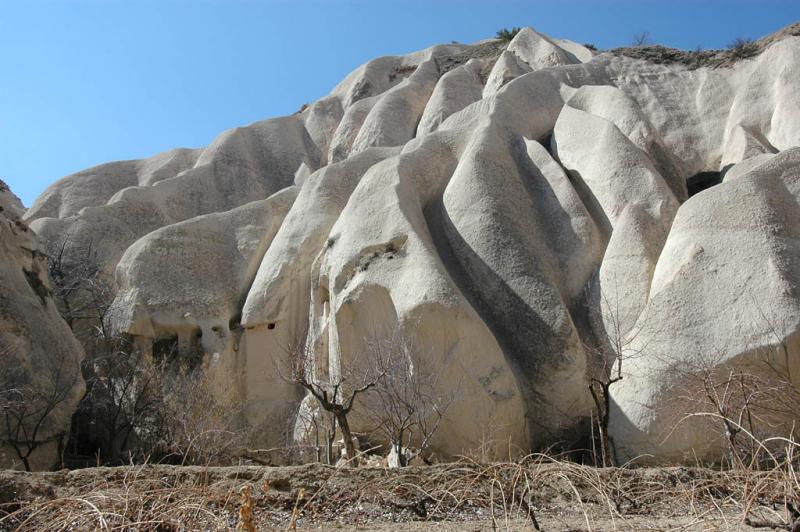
point(88, 81)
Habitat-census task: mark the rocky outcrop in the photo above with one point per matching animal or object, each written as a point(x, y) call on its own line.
point(193, 275)
point(40, 379)
point(10, 205)
point(97, 185)
point(513, 210)
point(723, 295)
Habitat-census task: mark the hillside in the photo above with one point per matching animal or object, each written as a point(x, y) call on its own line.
point(532, 218)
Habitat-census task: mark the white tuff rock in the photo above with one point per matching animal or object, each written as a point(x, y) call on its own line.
point(504, 206)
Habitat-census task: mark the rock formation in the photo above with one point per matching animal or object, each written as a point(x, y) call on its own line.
point(40, 379)
point(504, 206)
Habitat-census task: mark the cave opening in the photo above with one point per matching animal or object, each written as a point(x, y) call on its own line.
point(702, 181)
point(170, 355)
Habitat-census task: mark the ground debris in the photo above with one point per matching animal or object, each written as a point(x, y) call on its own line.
point(550, 494)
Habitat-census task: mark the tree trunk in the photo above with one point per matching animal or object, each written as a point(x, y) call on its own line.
point(401, 456)
point(733, 453)
point(22, 457)
point(605, 420)
point(341, 418)
point(602, 400)
point(330, 437)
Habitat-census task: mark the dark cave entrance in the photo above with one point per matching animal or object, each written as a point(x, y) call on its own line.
point(702, 181)
point(177, 354)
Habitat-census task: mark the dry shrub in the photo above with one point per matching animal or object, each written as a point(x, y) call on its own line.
point(245, 523)
point(537, 492)
point(31, 404)
point(742, 47)
point(201, 426)
point(506, 35)
point(751, 404)
point(140, 409)
point(136, 502)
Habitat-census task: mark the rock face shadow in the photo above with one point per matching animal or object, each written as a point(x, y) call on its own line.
point(514, 324)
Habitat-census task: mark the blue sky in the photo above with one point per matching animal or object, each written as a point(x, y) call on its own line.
point(88, 81)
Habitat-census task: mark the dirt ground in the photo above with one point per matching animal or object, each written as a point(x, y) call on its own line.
point(463, 496)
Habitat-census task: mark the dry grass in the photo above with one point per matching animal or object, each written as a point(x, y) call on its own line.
point(537, 492)
point(739, 49)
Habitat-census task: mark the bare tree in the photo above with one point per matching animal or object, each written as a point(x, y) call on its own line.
point(80, 290)
point(336, 394)
point(325, 426)
point(123, 399)
point(122, 393)
point(600, 388)
point(322, 427)
point(409, 403)
point(610, 355)
point(641, 38)
point(29, 402)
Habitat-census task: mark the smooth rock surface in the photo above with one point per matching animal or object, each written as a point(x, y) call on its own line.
point(740, 272)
